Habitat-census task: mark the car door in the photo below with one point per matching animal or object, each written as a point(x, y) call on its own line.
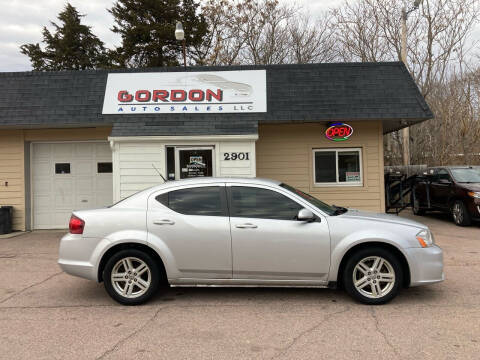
point(441, 188)
point(190, 225)
point(268, 243)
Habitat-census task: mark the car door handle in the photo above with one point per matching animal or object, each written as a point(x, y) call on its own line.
point(163, 222)
point(246, 226)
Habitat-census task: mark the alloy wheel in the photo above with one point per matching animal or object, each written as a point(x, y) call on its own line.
point(374, 277)
point(131, 277)
point(457, 213)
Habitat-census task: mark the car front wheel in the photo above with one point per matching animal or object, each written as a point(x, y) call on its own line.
point(460, 214)
point(373, 276)
point(131, 277)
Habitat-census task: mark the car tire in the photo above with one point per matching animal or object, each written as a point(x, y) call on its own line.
point(460, 214)
point(131, 277)
point(361, 266)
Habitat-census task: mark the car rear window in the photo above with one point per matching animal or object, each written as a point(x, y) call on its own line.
point(205, 201)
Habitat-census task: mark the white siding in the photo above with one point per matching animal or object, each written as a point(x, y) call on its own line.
point(133, 167)
point(238, 168)
point(133, 159)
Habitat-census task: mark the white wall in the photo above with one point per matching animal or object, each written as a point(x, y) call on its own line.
point(133, 158)
point(238, 168)
point(132, 167)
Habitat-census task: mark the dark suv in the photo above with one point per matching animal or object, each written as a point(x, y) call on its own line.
point(450, 189)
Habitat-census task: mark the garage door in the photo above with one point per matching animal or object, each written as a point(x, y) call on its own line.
point(66, 177)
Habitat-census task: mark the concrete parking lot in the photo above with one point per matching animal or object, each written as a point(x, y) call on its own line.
point(46, 314)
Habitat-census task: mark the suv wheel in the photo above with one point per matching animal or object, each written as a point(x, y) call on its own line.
point(373, 276)
point(460, 214)
point(131, 277)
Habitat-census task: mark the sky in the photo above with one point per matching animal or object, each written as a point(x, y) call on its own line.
point(21, 22)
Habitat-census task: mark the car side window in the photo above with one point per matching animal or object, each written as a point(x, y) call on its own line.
point(205, 201)
point(252, 202)
point(442, 174)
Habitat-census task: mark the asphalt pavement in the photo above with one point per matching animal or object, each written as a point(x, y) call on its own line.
point(47, 314)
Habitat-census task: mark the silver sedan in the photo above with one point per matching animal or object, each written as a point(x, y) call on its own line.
point(244, 232)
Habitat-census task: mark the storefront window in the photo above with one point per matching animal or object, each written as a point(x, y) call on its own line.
point(338, 166)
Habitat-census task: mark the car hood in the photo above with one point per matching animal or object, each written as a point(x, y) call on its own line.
point(471, 186)
point(386, 218)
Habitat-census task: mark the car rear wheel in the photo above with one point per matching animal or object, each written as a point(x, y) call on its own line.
point(373, 276)
point(460, 214)
point(131, 277)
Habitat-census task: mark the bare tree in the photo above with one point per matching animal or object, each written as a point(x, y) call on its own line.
point(263, 32)
point(454, 136)
point(369, 30)
point(438, 47)
point(311, 41)
point(439, 51)
point(360, 29)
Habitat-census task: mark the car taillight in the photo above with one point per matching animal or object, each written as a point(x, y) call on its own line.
point(76, 225)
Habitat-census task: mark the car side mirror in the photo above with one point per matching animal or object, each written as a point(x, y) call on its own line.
point(445, 181)
point(305, 215)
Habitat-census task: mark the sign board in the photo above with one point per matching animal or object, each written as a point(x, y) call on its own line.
point(186, 92)
point(352, 176)
point(339, 132)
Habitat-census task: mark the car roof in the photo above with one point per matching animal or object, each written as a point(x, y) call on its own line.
point(209, 180)
point(192, 181)
point(451, 167)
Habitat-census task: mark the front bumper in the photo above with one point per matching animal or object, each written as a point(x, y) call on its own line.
point(473, 207)
point(79, 256)
point(426, 265)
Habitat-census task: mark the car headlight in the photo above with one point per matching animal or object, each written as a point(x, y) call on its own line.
point(425, 238)
point(474, 194)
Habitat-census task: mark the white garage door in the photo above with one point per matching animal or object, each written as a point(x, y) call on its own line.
point(66, 177)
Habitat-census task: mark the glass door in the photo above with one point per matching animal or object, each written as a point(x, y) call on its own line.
point(193, 162)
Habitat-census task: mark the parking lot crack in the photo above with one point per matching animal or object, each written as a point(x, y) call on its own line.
point(30, 286)
point(132, 334)
point(306, 332)
point(381, 332)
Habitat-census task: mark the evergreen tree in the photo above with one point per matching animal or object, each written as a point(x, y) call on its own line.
point(147, 28)
point(72, 46)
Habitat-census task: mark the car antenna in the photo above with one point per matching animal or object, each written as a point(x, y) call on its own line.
point(159, 173)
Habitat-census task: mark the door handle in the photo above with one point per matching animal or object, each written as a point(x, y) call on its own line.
point(246, 226)
point(163, 222)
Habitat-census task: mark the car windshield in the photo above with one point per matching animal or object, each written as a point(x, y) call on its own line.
point(330, 210)
point(466, 175)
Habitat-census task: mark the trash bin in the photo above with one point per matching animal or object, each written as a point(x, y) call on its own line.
point(6, 214)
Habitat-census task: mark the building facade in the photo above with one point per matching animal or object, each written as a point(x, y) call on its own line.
point(83, 139)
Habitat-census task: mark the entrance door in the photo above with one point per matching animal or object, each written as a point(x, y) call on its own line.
point(193, 162)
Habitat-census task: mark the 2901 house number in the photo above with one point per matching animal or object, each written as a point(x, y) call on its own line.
point(236, 156)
